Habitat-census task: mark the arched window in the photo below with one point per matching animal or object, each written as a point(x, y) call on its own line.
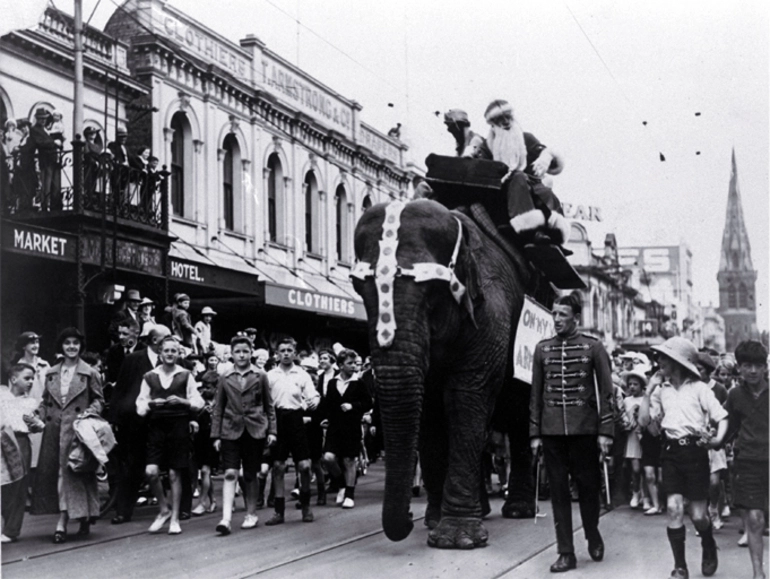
point(577, 233)
point(743, 296)
point(732, 298)
point(367, 203)
point(274, 197)
point(231, 184)
point(312, 227)
point(342, 226)
point(181, 165)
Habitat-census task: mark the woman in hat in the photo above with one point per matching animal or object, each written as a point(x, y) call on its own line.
point(144, 314)
point(203, 329)
point(27, 349)
point(72, 388)
point(685, 406)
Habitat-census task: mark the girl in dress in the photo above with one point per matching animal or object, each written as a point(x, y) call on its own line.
point(635, 382)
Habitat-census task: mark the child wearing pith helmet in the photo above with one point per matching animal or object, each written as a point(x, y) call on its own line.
point(685, 406)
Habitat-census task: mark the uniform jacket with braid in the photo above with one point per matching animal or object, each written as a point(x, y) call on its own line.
point(563, 399)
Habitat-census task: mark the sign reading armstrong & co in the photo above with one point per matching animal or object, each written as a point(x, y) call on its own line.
point(313, 301)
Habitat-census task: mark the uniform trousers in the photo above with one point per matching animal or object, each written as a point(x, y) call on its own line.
point(131, 437)
point(578, 457)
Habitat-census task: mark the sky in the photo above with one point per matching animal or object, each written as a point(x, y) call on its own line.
point(584, 76)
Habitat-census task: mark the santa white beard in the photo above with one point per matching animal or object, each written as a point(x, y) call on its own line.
point(508, 146)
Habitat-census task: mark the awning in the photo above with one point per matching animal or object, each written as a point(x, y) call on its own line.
point(187, 266)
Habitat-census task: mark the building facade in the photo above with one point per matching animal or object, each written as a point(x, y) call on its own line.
point(737, 276)
point(268, 171)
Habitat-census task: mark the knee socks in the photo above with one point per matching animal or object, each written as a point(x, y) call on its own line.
point(676, 539)
point(706, 533)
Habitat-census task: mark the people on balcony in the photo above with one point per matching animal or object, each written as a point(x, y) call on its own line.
point(47, 148)
point(121, 168)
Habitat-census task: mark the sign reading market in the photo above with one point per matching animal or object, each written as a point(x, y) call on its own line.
point(313, 301)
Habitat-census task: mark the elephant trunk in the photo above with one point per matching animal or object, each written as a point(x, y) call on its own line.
point(400, 387)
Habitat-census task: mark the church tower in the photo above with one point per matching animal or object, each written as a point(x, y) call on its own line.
point(737, 276)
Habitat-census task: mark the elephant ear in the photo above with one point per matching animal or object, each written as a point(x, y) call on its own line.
point(467, 268)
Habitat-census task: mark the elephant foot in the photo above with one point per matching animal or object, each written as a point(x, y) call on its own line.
point(519, 510)
point(432, 516)
point(458, 533)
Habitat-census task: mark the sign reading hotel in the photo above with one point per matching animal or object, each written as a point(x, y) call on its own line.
point(311, 98)
point(313, 301)
point(535, 324)
point(203, 43)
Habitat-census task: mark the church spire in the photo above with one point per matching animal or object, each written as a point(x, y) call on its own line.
point(736, 250)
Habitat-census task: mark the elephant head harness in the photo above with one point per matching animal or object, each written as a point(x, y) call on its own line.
point(387, 269)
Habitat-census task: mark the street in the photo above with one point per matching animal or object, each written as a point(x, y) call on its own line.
point(350, 543)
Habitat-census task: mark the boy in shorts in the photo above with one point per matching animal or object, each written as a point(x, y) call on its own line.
point(747, 405)
point(168, 396)
point(242, 419)
point(344, 405)
point(685, 406)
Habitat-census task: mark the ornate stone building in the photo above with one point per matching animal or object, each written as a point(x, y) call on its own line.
point(737, 276)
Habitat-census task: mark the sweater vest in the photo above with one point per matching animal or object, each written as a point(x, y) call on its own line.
point(178, 387)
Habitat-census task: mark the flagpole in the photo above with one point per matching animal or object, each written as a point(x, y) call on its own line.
point(77, 116)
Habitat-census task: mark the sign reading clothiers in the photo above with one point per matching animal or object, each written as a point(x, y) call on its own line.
point(535, 324)
point(313, 301)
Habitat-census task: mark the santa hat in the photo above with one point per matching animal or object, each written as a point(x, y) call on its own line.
point(497, 108)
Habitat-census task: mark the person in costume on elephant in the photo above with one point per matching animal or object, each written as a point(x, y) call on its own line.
point(535, 212)
point(441, 299)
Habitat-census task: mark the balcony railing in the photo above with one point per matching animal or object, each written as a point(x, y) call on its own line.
point(79, 182)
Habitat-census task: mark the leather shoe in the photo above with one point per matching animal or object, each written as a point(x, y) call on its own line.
point(709, 561)
point(596, 549)
point(565, 562)
point(679, 573)
point(120, 519)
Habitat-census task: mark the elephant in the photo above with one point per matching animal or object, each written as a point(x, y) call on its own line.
point(442, 294)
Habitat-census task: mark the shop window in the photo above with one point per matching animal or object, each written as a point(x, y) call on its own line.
point(732, 298)
point(312, 213)
point(181, 165)
point(342, 224)
point(274, 198)
point(231, 184)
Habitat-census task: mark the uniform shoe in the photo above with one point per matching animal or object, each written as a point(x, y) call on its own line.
point(348, 503)
point(223, 528)
point(159, 522)
point(174, 528)
point(565, 562)
point(709, 560)
point(276, 519)
point(596, 548)
point(249, 522)
point(679, 573)
point(340, 496)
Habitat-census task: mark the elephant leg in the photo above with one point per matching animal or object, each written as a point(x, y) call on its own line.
point(433, 457)
point(520, 503)
point(461, 511)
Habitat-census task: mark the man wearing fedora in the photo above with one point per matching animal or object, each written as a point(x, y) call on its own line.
point(129, 311)
point(571, 419)
point(42, 143)
point(685, 407)
point(203, 329)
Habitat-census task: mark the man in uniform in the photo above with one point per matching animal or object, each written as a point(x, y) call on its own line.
point(571, 421)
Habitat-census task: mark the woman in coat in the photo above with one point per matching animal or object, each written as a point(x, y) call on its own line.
point(72, 388)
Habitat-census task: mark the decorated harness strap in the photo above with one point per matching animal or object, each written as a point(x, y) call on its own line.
point(387, 269)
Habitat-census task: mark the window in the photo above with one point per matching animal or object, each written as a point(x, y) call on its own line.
point(732, 300)
point(181, 165)
point(312, 229)
point(596, 310)
point(274, 197)
point(342, 226)
point(743, 296)
point(232, 179)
